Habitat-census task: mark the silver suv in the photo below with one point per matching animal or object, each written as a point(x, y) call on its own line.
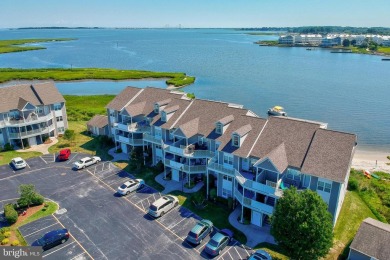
point(163, 205)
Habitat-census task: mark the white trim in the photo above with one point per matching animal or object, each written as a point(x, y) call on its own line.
point(131, 100)
point(254, 143)
point(185, 110)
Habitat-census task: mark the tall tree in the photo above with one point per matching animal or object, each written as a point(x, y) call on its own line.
point(302, 225)
point(29, 196)
point(346, 42)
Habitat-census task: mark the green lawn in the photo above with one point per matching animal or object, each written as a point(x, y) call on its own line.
point(177, 79)
point(7, 46)
point(6, 157)
point(385, 50)
point(83, 108)
point(273, 250)
point(83, 142)
point(219, 215)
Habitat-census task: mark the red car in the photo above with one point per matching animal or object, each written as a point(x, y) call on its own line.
point(64, 154)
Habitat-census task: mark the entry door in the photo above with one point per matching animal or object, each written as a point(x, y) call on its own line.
point(175, 175)
point(124, 148)
point(32, 141)
point(245, 164)
point(256, 218)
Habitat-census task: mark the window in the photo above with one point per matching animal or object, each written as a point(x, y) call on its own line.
point(324, 186)
point(57, 107)
point(236, 140)
point(61, 129)
point(158, 146)
point(39, 110)
point(328, 187)
point(228, 159)
point(227, 178)
point(59, 118)
point(219, 128)
point(226, 193)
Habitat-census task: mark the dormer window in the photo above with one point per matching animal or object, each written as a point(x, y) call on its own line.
point(156, 108)
point(219, 128)
point(163, 116)
point(236, 140)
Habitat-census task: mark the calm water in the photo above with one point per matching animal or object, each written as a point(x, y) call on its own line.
point(350, 92)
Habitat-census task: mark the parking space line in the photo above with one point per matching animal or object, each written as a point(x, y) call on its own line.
point(144, 199)
point(40, 229)
point(77, 255)
point(246, 251)
point(235, 242)
point(230, 255)
point(237, 251)
point(186, 218)
point(8, 199)
point(54, 157)
point(42, 159)
point(74, 238)
point(144, 188)
point(135, 205)
point(59, 249)
point(28, 165)
point(72, 158)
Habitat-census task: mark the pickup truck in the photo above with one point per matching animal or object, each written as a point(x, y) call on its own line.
point(85, 162)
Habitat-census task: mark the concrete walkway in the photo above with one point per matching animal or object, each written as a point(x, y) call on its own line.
point(254, 234)
point(170, 185)
point(118, 156)
point(42, 148)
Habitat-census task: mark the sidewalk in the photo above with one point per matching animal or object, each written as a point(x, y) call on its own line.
point(42, 148)
point(176, 185)
point(254, 234)
point(118, 156)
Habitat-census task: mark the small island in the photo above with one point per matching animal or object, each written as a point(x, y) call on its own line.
point(7, 46)
point(174, 79)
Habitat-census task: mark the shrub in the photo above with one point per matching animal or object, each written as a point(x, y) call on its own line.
point(5, 241)
point(8, 147)
point(69, 134)
point(7, 234)
point(213, 193)
point(119, 150)
point(211, 181)
point(353, 184)
point(37, 199)
point(198, 197)
point(10, 214)
point(159, 167)
point(15, 243)
point(230, 203)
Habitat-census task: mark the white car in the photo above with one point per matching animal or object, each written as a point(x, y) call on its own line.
point(130, 186)
point(18, 163)
point(85, 162)
point(163, 205)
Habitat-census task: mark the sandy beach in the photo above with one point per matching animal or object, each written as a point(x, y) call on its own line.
point(371, 160)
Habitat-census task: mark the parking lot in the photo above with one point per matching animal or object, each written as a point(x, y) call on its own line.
point(103, 224)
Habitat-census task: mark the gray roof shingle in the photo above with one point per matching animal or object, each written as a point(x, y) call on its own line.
point(226, 119)
point(243, 130)
point(99, 121)
point(329, 155)
point(135, 109)
point(123, 98)
point(373, 239)
point(36, 94)
point(278, 157)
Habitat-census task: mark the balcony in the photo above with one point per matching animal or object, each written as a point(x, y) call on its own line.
point(213, 165)
point(129, 140)
point(268, 188)
point(138, 127)
point(194, 168)
point(150, 138)
point(173, 164)
point(30, 133)
point(28, 121)
point(253, 204)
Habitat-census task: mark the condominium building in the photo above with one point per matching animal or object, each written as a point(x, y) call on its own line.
point(31, 113)
point(252, 159)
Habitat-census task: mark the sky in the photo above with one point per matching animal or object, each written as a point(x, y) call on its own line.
point(193, 13)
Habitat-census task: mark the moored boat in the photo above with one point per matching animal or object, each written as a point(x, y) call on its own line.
point(277, 111)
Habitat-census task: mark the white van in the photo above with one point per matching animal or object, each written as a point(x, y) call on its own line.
point(163, 205)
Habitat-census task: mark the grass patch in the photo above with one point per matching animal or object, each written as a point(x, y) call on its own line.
point(83, 108)
point(7, 46)
point(45, 211)
point(83, 142)
point(6, 157)
point(148, 175)
point(382, 49)
point(353, 212)
point(268, 43)
point(177, 79)
point(218, 214)
point(273, 250)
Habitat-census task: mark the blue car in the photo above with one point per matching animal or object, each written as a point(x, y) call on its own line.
point(53, 238)
point(200, 231)
point(218, 242)
point(260, 255)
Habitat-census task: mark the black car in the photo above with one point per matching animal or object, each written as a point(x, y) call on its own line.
point(53, 238)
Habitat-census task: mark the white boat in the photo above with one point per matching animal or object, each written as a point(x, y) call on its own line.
point(277, 111)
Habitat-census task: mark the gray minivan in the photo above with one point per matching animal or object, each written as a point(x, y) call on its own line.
point(200, 231)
